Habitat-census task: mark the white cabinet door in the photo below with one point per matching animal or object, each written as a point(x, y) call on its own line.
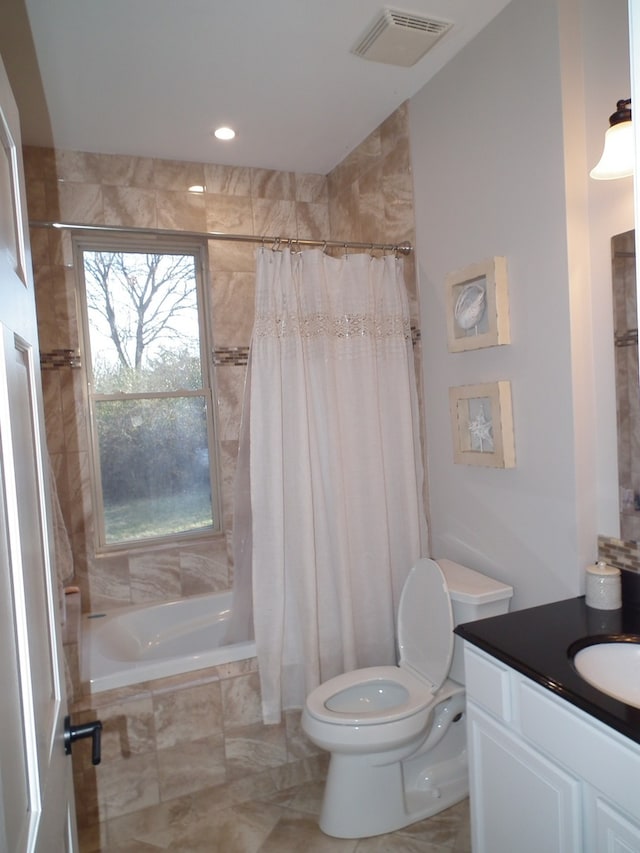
point(520, 801)
point(36, 796)
point(608, 829)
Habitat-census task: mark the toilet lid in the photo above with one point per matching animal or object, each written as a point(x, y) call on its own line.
point(425, 623)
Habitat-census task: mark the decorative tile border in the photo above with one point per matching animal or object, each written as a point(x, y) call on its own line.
point(627, 339)
point(238, 356)
point(58, 358)
point(621, 553)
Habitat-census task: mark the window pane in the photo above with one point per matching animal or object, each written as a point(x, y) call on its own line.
point(154, 465)
point(143, 321)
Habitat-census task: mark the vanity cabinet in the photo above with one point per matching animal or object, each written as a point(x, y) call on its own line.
point(544, 775)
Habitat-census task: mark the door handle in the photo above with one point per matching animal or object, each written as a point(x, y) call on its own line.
point(92, 730)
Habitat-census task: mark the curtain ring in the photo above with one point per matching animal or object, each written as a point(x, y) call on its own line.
point(276, 245)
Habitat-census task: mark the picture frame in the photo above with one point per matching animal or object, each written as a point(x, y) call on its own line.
point(477, 306)
point(482, 424)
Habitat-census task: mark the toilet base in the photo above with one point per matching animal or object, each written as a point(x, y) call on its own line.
point(449, 784)
point(364, 797)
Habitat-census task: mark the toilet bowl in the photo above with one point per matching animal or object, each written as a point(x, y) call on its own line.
point(396, 734)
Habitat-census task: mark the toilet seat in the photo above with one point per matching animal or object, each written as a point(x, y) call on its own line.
point(326, 703)
point(425, 636)
point(385, 694)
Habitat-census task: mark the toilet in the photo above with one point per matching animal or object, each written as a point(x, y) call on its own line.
point(396, 734)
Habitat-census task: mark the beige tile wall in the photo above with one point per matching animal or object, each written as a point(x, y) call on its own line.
point(367, 197)
point(371, 199)
point(371, 193)
point(168, 740)
point(127, 191)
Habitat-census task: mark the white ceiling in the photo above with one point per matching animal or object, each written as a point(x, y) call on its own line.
point(156, 77)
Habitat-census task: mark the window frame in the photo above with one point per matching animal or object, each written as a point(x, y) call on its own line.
point(123, 241)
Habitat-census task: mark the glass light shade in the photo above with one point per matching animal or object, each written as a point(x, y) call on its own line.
point(224, 133)
point(618, 156)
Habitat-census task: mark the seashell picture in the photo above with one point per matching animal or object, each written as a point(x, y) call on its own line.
point(477, 306)
point(471, 305)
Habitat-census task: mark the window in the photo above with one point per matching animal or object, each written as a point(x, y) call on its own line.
point(146, 346)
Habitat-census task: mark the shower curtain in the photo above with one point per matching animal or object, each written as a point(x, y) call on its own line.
point(336, 480)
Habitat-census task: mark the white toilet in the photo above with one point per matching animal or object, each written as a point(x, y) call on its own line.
point(396, 734)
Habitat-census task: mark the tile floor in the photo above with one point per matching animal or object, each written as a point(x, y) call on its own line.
point(283, 822)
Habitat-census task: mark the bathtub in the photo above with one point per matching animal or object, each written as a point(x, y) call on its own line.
point(130, 645)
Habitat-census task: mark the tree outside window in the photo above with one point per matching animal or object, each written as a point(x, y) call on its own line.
point(149, 391)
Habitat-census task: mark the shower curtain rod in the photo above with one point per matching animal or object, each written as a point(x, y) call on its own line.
point(274, 242)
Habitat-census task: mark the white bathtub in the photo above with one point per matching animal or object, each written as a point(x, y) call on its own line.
point(130, 645)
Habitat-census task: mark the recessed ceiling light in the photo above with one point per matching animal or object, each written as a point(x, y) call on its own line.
point(196, 188)
point(224, 133)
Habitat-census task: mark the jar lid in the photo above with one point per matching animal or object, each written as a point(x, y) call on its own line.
point(601, 568)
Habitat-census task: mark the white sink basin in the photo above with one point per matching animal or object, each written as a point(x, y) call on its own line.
point(614, 668)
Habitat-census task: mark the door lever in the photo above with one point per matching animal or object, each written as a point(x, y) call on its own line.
point(92, 730)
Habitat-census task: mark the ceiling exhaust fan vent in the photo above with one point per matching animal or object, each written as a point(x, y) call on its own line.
point(399, 38)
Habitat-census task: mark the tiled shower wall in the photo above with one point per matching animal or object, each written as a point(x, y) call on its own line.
point(371, 193)
point(96, 189)
point(371, 198)
point(170, 740)
point(198, 734)
point(367, 197)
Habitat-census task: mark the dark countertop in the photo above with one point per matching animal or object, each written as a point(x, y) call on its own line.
point(535, 642)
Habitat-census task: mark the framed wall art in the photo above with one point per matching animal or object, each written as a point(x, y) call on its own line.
point(477, 306)
point(482, 423)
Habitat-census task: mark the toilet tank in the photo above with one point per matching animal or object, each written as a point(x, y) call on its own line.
point(473, 596)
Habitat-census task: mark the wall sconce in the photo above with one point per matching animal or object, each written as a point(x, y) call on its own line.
point(618, 156)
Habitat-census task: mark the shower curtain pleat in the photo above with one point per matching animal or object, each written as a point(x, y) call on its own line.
point(335, 468)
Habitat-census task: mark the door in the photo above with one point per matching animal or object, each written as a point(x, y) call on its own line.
point(36, 796)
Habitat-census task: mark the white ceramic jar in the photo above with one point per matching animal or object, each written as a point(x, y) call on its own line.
point(603, 587)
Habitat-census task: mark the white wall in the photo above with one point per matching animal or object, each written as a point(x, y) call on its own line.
point(500, 154)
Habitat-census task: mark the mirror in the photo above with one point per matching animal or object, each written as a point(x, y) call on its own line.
point(625, 329)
